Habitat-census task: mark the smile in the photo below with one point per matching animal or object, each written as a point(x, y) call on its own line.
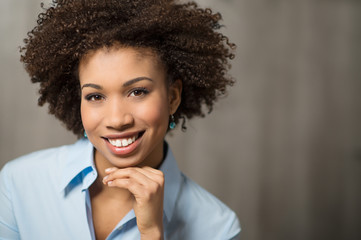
point(124, 142)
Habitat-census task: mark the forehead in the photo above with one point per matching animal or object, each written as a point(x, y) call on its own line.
point(119, 64)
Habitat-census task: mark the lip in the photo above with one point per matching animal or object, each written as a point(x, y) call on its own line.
point(122, 135)
point(123, 151)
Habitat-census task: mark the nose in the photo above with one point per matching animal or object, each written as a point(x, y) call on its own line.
point(119, 116)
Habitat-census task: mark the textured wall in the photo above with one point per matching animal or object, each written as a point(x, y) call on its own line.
point(283, 149)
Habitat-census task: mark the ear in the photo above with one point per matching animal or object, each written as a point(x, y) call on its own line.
point(175, 96)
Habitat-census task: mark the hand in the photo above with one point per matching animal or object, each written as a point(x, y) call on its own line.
point(146, 184)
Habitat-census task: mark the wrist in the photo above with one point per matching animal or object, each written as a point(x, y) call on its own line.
point(152, 234)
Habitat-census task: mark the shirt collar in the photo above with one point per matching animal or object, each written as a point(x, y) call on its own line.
point(79, 157)
point(173, 181)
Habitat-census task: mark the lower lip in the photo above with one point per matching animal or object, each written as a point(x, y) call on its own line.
point(122, 151)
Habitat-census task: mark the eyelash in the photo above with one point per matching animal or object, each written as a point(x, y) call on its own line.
point(91, 97)
point(142, 90)
point(97, 97)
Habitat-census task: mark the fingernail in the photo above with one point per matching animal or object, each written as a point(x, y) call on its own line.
point(105, 178)
point(110, 183)
point(108, 170)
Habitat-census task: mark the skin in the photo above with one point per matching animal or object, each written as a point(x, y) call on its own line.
point(124, 94)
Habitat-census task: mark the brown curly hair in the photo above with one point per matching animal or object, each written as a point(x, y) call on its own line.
point(183, 35)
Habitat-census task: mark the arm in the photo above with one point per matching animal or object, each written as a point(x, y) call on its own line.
point(8, 226)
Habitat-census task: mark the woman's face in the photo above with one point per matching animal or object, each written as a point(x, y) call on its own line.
point(125, 105)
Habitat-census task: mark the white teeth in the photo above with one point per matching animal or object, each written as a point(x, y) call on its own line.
point(122, 142)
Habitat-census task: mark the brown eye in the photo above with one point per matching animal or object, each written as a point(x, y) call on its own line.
point(94, 97)
point(138, 92)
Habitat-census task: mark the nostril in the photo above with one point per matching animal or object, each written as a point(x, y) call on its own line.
point(120, 121)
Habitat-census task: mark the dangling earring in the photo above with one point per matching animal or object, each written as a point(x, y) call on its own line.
point(172, 122)
point(86, 136)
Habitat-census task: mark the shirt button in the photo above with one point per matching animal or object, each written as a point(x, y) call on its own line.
point(120, 228)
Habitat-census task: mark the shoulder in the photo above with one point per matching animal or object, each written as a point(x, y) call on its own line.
point(39, 164)
point(34, 163)
point(43, 158)
point(47, 157)
point(205, 213)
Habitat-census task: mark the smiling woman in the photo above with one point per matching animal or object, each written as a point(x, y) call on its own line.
point(125, 97)
point(121, 74)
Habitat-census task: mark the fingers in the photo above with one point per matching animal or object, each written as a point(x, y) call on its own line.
point(151, 173)
point(154, 174)
point(110, 170)
point(144, 181)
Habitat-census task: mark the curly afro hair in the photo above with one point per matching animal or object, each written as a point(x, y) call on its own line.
point(184, 36)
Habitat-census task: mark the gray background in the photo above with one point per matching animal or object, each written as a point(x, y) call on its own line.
point(282, 150)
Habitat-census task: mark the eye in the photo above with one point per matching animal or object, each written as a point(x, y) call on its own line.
point(94, 97)
point(138, 92)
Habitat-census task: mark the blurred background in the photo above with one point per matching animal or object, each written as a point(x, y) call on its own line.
point(283, 149)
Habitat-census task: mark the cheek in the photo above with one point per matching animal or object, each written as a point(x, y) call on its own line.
point(154, 113)
point(89, 117)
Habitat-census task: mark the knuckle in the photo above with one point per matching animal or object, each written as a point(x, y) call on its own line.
point(156, 187)
point(128, 171)
point(113, 175)
point(120, 182)
point(126, 183)
point(116, 182)
point(160, 173)
point(161, 180)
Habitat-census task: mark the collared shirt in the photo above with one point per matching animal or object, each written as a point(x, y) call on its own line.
point(44, 195)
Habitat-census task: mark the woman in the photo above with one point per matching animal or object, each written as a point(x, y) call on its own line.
point(119, 74)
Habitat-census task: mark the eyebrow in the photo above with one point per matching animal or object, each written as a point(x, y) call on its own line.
point(92, 85)
point(128, 83)
point(132, 81)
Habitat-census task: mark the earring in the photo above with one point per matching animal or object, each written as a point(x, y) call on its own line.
point(172, 123)
point(86, 136)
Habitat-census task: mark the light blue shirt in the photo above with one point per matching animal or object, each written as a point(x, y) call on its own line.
point(44, 195)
